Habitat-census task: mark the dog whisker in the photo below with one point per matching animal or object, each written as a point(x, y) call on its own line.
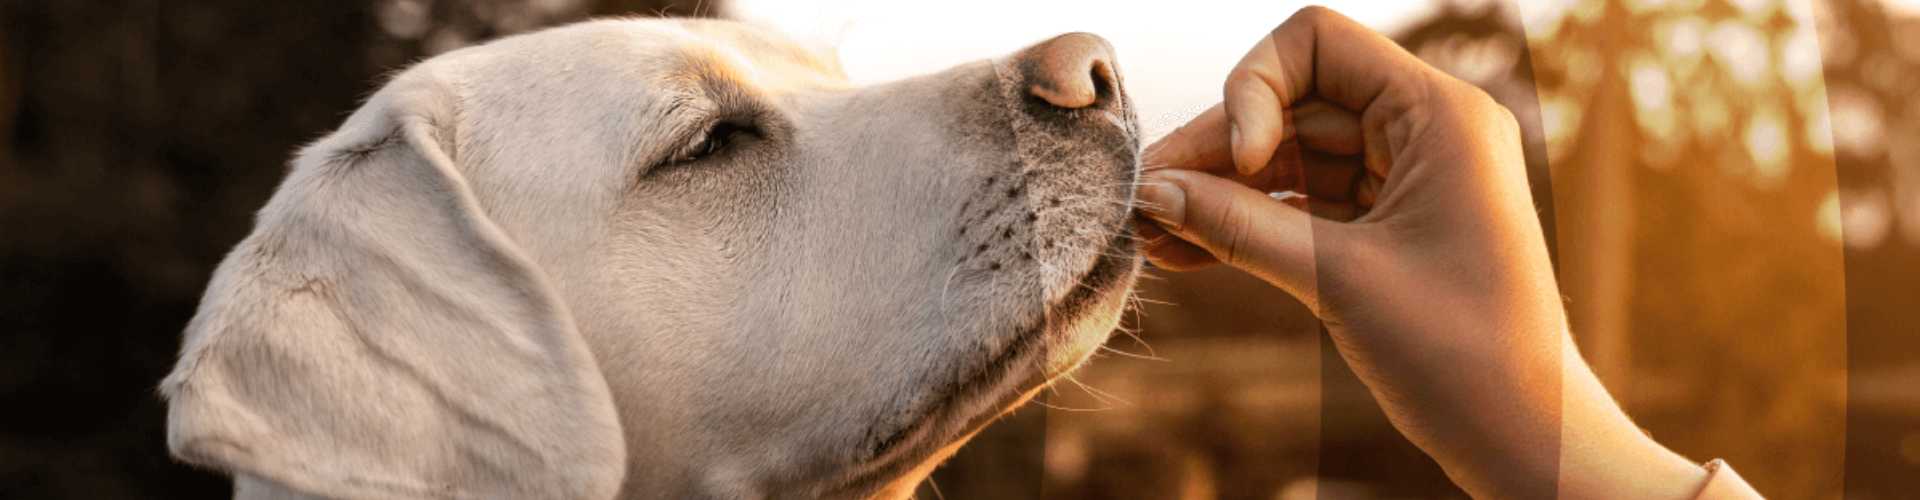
point(1044, 404)
point(935, 485)
point(1104, 397)
point(1100, 252)
point(1156, 302)
point(1104, 234)
point(1134, 335)
point(948, 285)
point(1134, 355)
point(1097, 199)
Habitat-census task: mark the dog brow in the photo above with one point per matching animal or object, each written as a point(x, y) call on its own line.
point(698, 90)
point(703, 82)
point(721, 82)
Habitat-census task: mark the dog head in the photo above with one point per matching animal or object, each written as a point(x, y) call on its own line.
point(665, 259)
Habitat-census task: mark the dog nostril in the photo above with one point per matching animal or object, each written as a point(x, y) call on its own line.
point(1103, 81)
point(1071, 71)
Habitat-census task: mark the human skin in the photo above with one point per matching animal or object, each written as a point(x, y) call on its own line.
point(1417, 243)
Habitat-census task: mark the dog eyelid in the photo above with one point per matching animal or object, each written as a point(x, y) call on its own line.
point(714, 139)
point(714, 119)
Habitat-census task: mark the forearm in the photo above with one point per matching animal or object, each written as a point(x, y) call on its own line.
point(1504, 427)
point(1604, 455)
point(1567, 435)
point(1586, 447)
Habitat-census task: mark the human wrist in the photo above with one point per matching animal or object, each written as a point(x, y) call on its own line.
point(1604, 455)
point(1581, 445)
point(1624, 467)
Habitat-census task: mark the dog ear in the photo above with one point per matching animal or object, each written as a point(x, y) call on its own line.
point(378, 336)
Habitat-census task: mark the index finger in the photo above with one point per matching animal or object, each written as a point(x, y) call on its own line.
point(1325, 54)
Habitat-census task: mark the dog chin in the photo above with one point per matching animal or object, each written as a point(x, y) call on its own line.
point(1063, 336)
point(1069, 330)
point(1085, 318)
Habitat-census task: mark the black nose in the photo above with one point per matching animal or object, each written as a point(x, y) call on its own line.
point(1070, 71)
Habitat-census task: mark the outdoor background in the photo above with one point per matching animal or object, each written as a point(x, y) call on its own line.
point(1732, 190)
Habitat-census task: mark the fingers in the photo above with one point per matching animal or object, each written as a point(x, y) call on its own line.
point(1256, 110)
point(1203, 144)
point(1199, 144)
point(1320, 158)
point(1237, 225)
point(1324, 127)
point(1335, 180)
point(1316, 52)
point(1169, 252)
point(1324, 161)
point(1368, 191)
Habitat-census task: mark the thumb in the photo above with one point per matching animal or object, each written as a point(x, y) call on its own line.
point(1240, 226)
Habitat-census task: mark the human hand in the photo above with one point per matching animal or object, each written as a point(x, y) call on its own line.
point(1416, 243)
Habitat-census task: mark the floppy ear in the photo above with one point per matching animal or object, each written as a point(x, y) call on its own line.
point(377, 336)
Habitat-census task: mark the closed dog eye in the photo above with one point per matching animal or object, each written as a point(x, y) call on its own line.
point(718, 139)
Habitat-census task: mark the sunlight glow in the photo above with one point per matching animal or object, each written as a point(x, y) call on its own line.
point(1908, 7)
point(1173, 58)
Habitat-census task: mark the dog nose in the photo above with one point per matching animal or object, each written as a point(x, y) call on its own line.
point(1070, 71)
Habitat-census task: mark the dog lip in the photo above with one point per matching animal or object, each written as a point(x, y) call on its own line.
point(1100, 279)
point(907, 446)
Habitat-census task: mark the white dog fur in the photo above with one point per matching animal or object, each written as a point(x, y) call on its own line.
point(523, 270)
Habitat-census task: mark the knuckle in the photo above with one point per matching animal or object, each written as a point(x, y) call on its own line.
point(1460, 90)
point(1504, 120)
point(1315, 14)
point(1308, 17)
point(1491, 111)
point(1483, 101)
point(1239, 77)
point(1507, 120)
point(1487, 104)
point(1471, 101)
point(1501, 112)
point(1446, 84)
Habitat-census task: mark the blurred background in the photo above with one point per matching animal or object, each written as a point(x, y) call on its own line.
point(1732, 189)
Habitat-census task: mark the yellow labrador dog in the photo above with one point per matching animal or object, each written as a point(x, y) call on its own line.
point(663, 259)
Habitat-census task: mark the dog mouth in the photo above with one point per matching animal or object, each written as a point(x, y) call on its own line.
point(1017, 371)
point(1056, 216)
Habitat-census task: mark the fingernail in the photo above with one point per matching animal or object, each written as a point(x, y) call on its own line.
point(1163, 201)
point(1233, 134)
